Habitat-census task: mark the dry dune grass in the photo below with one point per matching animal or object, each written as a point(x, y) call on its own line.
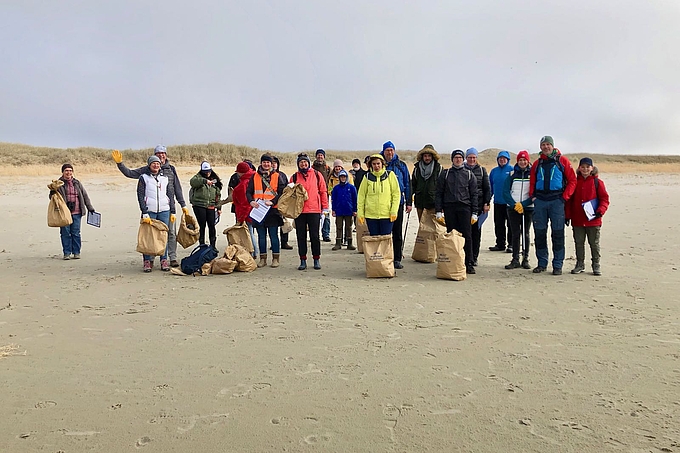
point(19, 160)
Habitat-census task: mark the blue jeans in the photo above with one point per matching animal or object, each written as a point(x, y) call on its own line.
point(251, 230)
point(379, 227)
point(326, 228)
point(554, 211)
point(165, 218)
point(273, 237)
point(70, 236)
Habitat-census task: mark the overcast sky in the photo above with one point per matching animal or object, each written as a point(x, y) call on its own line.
point(599, 76)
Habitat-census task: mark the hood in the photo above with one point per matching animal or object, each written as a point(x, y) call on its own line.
point(503, 154)
point(343, 173)
point(427, 149)
point(247, 176)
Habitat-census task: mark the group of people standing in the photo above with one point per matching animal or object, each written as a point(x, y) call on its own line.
point(545, 192)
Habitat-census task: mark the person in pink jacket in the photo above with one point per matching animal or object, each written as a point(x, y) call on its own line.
point(314, 208)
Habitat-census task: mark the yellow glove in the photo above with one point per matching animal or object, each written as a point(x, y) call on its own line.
point(146, 219)
point(519, 208)
point(117, 156)
point(393, 218)
point(185, 210)
point(361, 220)
point(172, 218)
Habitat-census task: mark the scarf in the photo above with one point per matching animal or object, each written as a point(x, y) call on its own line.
point(426, 169)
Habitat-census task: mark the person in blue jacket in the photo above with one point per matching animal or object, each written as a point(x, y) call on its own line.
point(497, 179)
point(344, 207)
point(400, 170)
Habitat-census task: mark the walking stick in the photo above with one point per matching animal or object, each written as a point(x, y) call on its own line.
point(403, 241)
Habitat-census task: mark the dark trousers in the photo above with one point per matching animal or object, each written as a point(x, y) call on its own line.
point(379, 227)
point(397, 234)
point(458, 218)
point(311, 221)
point(476, 235)
point(500, 221)
point(284, 237)
point(205, 216)
point(520, 223)
point(343, 223)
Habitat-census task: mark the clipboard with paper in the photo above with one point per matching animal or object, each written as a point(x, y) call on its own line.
point(258, 214)
point(94, 219)
point(589, 207)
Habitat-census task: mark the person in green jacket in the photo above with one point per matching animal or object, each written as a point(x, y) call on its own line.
point(206, 187)
point(424, 179)
point(379, 198)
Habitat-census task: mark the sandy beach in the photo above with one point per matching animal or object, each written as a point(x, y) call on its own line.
point(101, 357)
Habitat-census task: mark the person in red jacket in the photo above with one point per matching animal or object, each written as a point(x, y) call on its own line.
point(585, 210)
point(314, 208)
point(241, 206)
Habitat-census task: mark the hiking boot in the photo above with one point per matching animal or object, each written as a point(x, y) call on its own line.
point(338, 244)
point(596, 269)
point(470, 270)
point(147, 266)
point(76, 256)
point(398, 265)
point(578, 268)
point(557, 271)
point(67, 257)
point(497, 248)
point(539, 269)
point(525, 263)
point(165, 265)
point(275, 259)
point(263, 261)
point(349, 245)
point(303, 265)
point(317, 264)
point(514, 264)
point(508, 250)
point(286, 246)
point(327, 239)
point(174, 263)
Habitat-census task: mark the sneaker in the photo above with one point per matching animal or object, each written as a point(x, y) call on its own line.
point(147, 266)
point(596, 270)
point(514, 264)
point(398, 265)
point(470, 270)
point(578, 268)
point(174, 263)
point(539, 269)
point(557, 271)
point(327, 239)
point(497, 248)
point(67, 257)
point(165, 265)
point(76, 256)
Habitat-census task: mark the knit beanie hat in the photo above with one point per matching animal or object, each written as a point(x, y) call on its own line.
point(320, 151)
point(65, 166)
point(302, 157)
point(547, 139)
point(152, 159)
point(266, 158)
point(523, 154)
point(388, 144)
point(457, 152)
point(471, 152)
point(242, 167)
point(356, 161)
point(205, 166)
point(586, 160)
point(337, 163)
point(160, 149)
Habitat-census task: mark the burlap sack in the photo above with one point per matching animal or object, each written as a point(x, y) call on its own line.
point(245, 261)
point(292, 200)
point(188, 231)
point(239, 235)
point(362, 230)
point(152, 239)
point(58, 213)
point(425, 247)
point(287, 226)
point(223, 266)
point(451, 256)
point(379, 256)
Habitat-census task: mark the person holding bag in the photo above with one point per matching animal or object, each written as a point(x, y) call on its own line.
point(154, 195)
point(75, 195)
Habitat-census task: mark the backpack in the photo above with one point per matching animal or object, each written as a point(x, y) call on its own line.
point(202, 254)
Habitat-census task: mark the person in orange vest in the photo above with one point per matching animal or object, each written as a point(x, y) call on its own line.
point(267, 185)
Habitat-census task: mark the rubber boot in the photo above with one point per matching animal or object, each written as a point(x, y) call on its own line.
point(580, 267)
point(263, 261)
point(303, 265)
point(349, 245)
point(317, 264)
point(275, 259)
point(338, 244)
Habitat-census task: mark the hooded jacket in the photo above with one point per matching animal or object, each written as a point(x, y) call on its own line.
point(517, 188)
point(315, 185)
point(483, 186)
point(400, 170)
point(456, 186)
point(587, 189)
point(497, 178)
point(344, 198)
point(379, 195)
point(334, 180)
point(203, 195)
point(552, 177)
point(241, 205)
point(424, 189)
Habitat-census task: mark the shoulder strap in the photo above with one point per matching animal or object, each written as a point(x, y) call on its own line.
point(266, 183)
point(597, 187)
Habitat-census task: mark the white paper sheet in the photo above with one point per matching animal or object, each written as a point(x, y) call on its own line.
point(589, 208)
point(258, 214)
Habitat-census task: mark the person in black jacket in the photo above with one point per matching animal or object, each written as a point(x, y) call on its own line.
point(483, 196)
point(424, 178)
point(456, 200)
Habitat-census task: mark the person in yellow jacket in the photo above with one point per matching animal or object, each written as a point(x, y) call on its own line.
point(379, 198)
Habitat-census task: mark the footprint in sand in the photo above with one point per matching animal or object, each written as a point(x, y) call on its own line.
point(143, 442)
point(242, 390)
point(45, 404)
point(314, 439)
